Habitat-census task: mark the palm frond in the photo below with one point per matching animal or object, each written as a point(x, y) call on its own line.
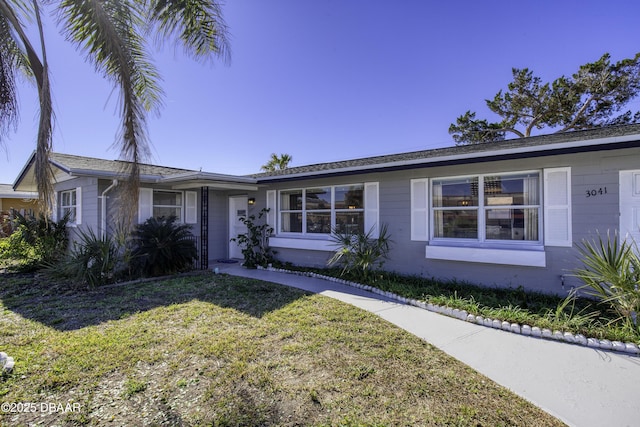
point(198, 24)
point(109, 33)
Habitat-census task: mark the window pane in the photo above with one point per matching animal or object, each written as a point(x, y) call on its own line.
point(455, 192)
point(461, 224)
point(291, 223)
point(166, 212)
point(291, 200)
point(72, 212)
point(350, 222)
point(511, 190)
point(167, 198)
point(318, 198)
point(319, 222)
point(512, 224)
point(349, 197)
point(66, 199)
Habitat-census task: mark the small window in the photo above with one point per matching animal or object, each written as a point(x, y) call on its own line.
point(69, 205)
point(167, 203)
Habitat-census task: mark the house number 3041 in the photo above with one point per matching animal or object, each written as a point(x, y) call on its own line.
point(596, 192)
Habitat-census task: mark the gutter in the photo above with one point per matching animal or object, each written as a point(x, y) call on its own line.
point(526, 151)
point(103, 206)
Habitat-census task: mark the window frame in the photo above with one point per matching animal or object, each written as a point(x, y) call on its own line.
point(304, 211)
point(482, 209)
point(74, 219)
point(188, 207)
point(180, 219)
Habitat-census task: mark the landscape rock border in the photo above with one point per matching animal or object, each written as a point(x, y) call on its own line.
point(516, 328)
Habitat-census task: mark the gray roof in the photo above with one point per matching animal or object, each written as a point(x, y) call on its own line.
point(521, 147)
point(79, 164)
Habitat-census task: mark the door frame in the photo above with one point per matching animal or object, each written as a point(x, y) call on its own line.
point(236, 204)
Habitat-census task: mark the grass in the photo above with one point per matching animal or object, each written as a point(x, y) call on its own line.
point(583, 316)
point(226, 351)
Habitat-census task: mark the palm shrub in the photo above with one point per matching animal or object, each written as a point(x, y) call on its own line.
point(161, 247)
point(359, 253)
point(254, 244)
point(611, 274)
point(92, 261)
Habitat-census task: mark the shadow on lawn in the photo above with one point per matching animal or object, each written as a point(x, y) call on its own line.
point(57, 306)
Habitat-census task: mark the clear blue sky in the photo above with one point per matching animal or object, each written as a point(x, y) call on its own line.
point(326, 80)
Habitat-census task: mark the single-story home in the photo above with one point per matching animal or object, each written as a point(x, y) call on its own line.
point(507, 213)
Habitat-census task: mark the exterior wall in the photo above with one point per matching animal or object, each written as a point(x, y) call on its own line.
point(590, 215)
point(218, 225)
point(88, 206)
point(21, 205)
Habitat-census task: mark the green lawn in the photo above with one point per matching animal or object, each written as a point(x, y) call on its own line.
point(228, 351)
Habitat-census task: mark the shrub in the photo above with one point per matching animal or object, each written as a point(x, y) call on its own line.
point(161, 247)
point(254, 243)
point(38, 241)
point(611, 273)
point(92, 261)
point(359, 253)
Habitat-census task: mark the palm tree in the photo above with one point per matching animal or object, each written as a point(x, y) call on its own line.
point(112, 34)
point(277, 162)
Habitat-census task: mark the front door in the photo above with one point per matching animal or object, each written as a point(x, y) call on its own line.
point(238, 206)
point(630, 204)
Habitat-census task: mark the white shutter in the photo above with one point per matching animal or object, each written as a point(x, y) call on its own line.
point(78, 205)
point(371, 209)
point(557, 207)
point(145, 204)
point(420, 209)
point(191, 207)
point(271, 205)
point(54, 207)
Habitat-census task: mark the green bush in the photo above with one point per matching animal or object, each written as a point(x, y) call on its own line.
point(611, 274)
point(254, 244)
point(161, 247)
point(360, 254)
point(93, 261)
point(37, 242)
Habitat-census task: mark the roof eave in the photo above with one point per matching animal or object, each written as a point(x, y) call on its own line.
point(521, 152)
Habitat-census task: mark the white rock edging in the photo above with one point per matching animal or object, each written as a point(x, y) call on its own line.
point(533, 331)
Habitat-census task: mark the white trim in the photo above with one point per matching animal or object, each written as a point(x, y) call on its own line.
point(305, 244)
point(191, 207)
point(371, 209)
point(78, 220)
point(557, 207)
point(237, 204)
point(524, 149)
point(488, 256)
point(420, 211)
point(145, 204)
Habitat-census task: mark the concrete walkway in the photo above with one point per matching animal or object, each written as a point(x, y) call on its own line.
point(579, 385)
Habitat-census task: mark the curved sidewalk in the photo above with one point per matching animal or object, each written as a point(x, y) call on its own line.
point(579, 385)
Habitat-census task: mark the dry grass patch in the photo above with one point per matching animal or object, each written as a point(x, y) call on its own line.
point(227, 351)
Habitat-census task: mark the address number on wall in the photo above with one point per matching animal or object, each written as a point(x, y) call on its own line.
point(596, 192)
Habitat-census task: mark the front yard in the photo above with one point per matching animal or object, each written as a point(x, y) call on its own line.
point(226, 351)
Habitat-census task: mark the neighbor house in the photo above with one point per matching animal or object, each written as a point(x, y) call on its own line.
point(508, 213)
point(23, 202)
